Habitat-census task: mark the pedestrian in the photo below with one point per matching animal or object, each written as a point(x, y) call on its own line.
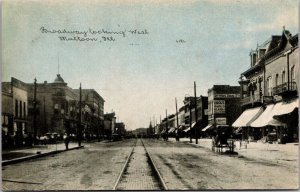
point(67, 140)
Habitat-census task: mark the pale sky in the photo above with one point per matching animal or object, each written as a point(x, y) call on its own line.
point(139, 75)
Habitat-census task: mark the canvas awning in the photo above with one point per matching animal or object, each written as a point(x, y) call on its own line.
point(187, 129)
point(266, 118)
point(238, 130)
point(247, 117)
point(163, 131)
point(171, 130)
point(209, 126)
point(283, 108)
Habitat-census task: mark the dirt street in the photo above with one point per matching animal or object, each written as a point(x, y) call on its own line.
point(97, 166)
point(188, 167)
point(182, 166)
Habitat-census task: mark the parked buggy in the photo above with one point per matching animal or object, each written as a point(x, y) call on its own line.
point(222, 139)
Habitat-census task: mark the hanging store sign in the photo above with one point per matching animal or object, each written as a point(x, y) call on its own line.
point(221, 121)
point(219, 106)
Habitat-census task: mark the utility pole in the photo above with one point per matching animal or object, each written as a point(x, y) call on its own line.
point(159, 128)
point(99, 127)
point(167, 129)
point(34, 112)
point(79, 134)
point(190, 118)
point(196, 114)
point(177, 134)
point(45, 123)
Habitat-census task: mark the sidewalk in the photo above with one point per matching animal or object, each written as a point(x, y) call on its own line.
point(18, 155)
point(283, 154)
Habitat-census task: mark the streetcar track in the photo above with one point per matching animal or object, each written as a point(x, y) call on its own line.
point(151, 171)
point(25, 182)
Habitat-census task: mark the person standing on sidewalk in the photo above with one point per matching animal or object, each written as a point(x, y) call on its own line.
point(67, 140)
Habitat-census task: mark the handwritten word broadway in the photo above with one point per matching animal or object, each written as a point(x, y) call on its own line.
point(85, 33)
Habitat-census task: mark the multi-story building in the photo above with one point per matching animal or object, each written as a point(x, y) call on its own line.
point(269, 89)
point(14, 113)
point(190, 116)
point(109, 124)
point(57, 109)
point(93, 117)
point(223, 105)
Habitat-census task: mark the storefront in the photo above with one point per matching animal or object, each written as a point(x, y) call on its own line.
point(279, 120)
point(242, 124)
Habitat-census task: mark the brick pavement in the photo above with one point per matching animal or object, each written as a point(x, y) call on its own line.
point(138, 175)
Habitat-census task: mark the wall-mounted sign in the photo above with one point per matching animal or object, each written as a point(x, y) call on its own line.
point(268, 99)
point(219, 106)
point(221, 121)
point(227, 95)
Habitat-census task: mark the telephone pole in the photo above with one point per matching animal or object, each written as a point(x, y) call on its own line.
point(79, 134)
point(34, 112)
point(177, 134)
point(167, 129)
point(196, 114)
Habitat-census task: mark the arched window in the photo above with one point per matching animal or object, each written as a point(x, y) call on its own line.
point(283, 77)
point(276, 80)
point(293, 73)
point(269, 85)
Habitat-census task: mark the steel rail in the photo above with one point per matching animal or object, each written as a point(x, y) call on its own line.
point(155, 168)
point(124, 167)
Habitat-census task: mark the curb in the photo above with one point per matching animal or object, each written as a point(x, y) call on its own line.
point(35, 156)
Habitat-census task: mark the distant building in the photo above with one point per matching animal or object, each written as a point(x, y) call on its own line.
point(120, 128)
point(93, 116)
point(109, 124)
point(223, 105)
point(190, 117)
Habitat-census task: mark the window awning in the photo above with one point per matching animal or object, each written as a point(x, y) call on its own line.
point(238, 130)
point(283, 108)
point(193, 125)
point(266, 118)
point(209, 126)
point(247, 117)
point(187, 129)
point(163, 131)
point(171, 130)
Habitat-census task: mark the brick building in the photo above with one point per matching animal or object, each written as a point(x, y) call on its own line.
point(223, 105)
point(269, 94)
point(190, 117)
point(14, 113)
point(93, 113)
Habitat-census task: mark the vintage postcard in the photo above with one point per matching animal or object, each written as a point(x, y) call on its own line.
point(150, 95)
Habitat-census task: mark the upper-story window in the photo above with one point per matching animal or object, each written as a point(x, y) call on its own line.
point(24, 109)
point(293, 73)
point(276, 80)
point(283, 77)
point(16, 108)
point(21, 109)
point(269, 85)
